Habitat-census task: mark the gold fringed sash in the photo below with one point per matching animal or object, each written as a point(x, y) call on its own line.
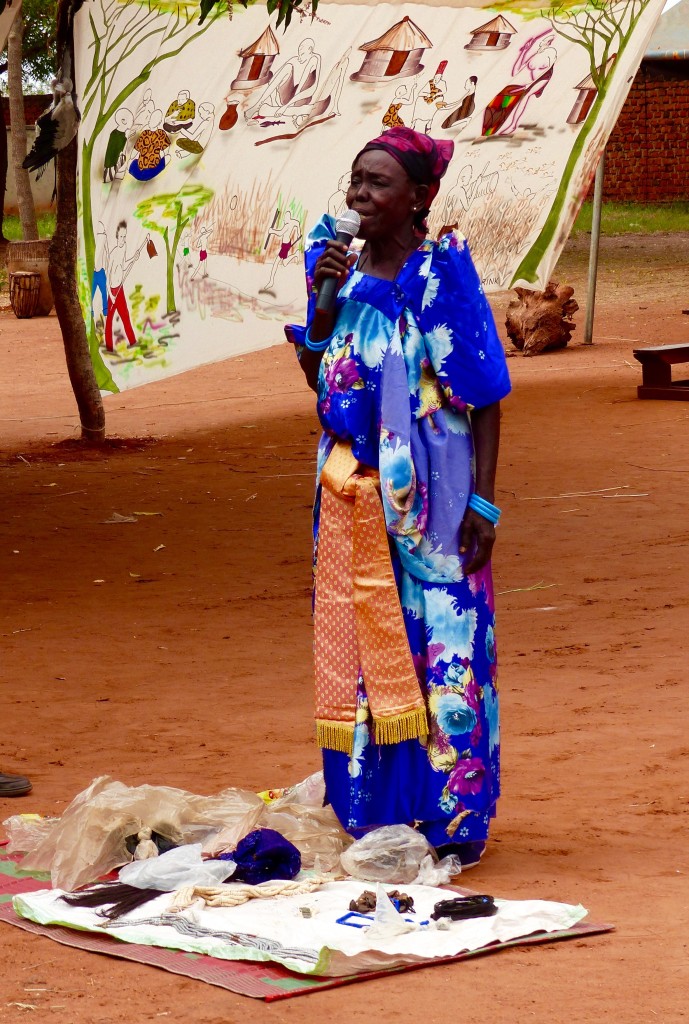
point(358, 616)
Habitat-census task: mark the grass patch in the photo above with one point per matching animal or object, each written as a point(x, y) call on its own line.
point(634, 218)
point(12, 228)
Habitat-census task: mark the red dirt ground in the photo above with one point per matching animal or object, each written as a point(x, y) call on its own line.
point(190, 665)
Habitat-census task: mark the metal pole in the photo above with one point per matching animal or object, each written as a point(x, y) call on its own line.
point(593, 251)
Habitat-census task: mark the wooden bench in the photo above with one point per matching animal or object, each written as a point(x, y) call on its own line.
point(656, 372)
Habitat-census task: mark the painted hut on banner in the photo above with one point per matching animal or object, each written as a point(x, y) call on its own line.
point(587, 92)
point(395, 54)
point(256, 61)
point(494, 35)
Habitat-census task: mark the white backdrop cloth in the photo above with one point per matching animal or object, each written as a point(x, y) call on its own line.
point(208, 152)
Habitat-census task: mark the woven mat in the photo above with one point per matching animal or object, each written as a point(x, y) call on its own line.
point(258, 980)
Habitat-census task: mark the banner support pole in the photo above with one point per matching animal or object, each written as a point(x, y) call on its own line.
point(593, 251)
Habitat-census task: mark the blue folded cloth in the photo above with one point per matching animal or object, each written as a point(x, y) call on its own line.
point(262, 856)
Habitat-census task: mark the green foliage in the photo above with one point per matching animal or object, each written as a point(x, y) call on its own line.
point(286, 8)
point(169, 214)
point(529, 9)
point(38, 65)
point(141, 306)
point(12, 228)
point(159, 213)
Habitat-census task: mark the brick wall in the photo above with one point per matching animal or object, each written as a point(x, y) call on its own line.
point(647, 158)
point(33, 108)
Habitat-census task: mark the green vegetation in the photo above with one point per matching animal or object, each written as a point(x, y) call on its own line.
point(38, 46)
point(635, 218)
point(12, 228)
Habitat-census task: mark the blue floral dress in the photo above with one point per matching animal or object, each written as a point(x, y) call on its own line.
point(406, 363)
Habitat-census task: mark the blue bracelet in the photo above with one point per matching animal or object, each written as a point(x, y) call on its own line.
point(484, 508)
point(316, 346)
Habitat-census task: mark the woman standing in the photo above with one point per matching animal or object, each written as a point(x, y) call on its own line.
point(409, 372)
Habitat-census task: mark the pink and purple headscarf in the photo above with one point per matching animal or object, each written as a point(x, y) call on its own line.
point(424, 159)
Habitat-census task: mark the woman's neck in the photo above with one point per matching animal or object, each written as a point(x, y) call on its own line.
point(385, 257)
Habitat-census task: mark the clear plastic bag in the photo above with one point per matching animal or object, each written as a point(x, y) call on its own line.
point(90, 838)
point(26, 831)
point(299, 815)
point(393, 853)
point(387, 922)
point(432, 872)
point(177, 869)
point(310, 792)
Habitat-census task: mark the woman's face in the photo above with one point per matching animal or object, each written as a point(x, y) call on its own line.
point(383, 195)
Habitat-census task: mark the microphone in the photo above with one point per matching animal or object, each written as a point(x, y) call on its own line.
point(347, 227)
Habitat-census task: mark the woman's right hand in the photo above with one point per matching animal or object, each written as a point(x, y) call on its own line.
point(335, 262)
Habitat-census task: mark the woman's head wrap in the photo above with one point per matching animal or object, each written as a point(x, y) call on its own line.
point(424, 159)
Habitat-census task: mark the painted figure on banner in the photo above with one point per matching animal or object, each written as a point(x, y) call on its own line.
point(152, 145)
point(201, 244)
point(180, 115)
point(142, 114)
point(193, 141)
point(458, 119)
point(429, 101)
point(393, 117)
point(325, 104)
point(467, 189)
point(337, 203)
point(119, 266)
point(293, 86)
point(99, 282)
point(185, 259)
point(535, 62)
point(288, 236)
point(115, 160)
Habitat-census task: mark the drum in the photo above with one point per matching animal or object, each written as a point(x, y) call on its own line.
point(33, 256)
point(25, 289)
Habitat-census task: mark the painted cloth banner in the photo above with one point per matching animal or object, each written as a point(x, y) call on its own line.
point(208, 152)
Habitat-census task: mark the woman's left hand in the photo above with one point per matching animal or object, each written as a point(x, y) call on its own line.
point(478, 535)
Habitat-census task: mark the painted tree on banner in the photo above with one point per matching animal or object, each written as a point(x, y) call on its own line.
point(128, 26)
point(603, 28)
point(169, 215)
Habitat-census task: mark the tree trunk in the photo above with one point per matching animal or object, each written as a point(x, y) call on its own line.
point(22, 183)
point(3, 172)
point(63, 278)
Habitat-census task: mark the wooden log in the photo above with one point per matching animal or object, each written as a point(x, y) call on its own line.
point(539, 321)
